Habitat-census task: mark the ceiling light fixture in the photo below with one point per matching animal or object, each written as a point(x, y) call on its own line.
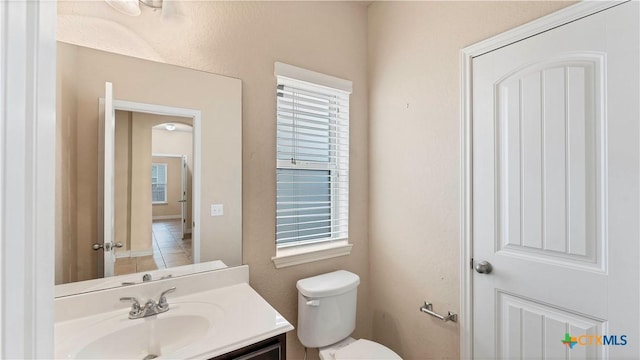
point(127, 7)
point(170, 127)
point(154, 4)
point(132, 7)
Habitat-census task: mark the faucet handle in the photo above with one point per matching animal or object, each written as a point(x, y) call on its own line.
point(162, 301)
point(135, 307)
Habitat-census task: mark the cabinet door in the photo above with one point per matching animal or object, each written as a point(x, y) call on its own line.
point(272, 352)
point(274, 348)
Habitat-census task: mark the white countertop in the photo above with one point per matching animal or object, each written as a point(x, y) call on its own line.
point(250, 320)
point(240, 317)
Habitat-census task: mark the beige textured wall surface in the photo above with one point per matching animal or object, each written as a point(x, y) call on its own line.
point(414, 162)
point(65, 217)
point(122, 180)
point(141, 207)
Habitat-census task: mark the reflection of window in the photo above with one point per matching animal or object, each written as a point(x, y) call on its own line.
point(159, 183)
point(312, 193)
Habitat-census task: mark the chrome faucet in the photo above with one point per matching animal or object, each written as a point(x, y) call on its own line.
point(146, 278)
point(150, 307)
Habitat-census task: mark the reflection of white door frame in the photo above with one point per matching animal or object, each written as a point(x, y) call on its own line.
point(106, 170)
point(197, 118)
point(184, 175)
point(535, 27)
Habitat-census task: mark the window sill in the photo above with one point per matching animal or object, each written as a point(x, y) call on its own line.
point(309, 253)
point(159, 203)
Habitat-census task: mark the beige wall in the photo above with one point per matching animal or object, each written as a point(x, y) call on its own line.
point(65, 217)
point(140, 213)
point(122, 180)
point(415, 159)
point(132, 181)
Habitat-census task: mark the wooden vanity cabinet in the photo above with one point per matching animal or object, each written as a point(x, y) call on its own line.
point(274, 348)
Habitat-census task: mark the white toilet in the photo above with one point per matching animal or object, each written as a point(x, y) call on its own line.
point(327, 316)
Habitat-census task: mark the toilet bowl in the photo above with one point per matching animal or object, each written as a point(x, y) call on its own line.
point(352, 349)
point(327, 317)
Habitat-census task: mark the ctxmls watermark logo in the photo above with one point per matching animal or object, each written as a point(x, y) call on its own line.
point(592, 340)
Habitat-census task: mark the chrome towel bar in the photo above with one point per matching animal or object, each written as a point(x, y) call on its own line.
point(428, 308)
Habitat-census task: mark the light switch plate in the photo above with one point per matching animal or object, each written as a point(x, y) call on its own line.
point(217, 210)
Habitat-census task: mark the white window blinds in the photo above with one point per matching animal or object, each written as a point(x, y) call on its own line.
point(159, 183)
point(312, 163)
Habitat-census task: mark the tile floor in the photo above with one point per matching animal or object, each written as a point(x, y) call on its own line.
point(169, 250)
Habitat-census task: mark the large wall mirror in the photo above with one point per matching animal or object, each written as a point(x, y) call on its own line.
point(148, 169)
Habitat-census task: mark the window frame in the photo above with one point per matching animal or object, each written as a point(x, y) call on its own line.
point(166, 168)
point(294, 253)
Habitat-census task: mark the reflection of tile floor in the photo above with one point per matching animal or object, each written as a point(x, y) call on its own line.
point(168, 250)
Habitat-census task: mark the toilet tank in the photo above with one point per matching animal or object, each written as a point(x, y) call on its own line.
point(327, 308)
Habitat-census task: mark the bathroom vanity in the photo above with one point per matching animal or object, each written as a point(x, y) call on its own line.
point(270, 349)
point(212, 315)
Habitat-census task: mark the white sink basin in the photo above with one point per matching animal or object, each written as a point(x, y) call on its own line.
point(152, 337)
point(210, 314)
point(114, 336)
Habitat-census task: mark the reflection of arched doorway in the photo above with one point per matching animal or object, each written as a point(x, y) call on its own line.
point(153, 186)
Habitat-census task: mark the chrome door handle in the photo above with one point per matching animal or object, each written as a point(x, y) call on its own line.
point(484, 267)
point(110, 245)
point(181, 201)
point(106, 246)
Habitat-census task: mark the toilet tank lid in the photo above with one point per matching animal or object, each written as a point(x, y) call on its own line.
point(330, 284)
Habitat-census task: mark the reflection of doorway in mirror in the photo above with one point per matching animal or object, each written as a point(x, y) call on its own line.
point(81, 172)
point(153, 177)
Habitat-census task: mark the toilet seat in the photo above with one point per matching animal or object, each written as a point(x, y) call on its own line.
point(365, 350)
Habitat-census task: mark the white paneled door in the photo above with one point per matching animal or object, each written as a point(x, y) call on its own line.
point(556, 192)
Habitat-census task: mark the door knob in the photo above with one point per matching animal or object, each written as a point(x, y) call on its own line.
point(106, 246)
point(484, 267)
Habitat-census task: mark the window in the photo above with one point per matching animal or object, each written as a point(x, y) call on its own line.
point(312, 204)
point(158, 183)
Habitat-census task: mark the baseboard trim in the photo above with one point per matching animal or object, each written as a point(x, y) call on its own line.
point(167, 217)
point(133, 253)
